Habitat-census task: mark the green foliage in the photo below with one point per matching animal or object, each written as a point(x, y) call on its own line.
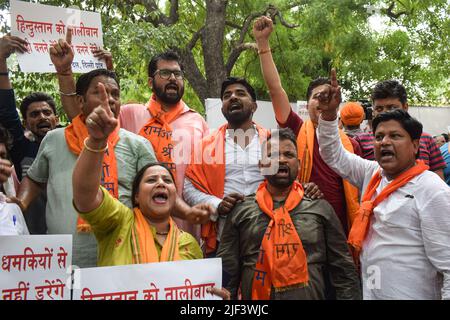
point(413, 47)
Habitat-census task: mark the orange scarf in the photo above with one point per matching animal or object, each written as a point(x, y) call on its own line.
point(305, 142)
point(282, 259)
point(361, 224)
point(75, 135)
point(207, 173)
point(143, 243)
point(158, 130)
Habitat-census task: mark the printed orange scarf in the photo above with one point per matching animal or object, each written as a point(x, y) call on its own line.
point(282, 260)
point(360, 226)
point(143, 243)
point(207, 173)
point(305, 142)
point(158, 130)
point(75, 135)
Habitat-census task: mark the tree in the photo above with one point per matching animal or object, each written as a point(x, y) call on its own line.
point(213, 39)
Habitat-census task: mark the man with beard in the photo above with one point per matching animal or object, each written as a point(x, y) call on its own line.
point(52, 169)
point(225, 166)
point(401, 233)
point(39, 117)
point(342, 196)
point(187, 125)
point(279, 244)
point(166, 121)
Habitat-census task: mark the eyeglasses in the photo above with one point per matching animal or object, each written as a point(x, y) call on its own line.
point(166, 74)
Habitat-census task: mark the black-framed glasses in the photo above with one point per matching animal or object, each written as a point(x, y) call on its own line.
point(166, 74)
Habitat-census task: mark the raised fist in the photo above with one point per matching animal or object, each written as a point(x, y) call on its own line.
point(262, 28)
point(61, 54)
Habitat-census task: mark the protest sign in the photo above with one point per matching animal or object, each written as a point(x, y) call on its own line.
point(35, 267)
point(179, 280)
point(42, 25)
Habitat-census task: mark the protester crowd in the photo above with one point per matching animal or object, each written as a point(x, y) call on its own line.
point(318, 209)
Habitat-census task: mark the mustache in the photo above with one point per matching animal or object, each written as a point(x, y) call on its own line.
point(171, 85)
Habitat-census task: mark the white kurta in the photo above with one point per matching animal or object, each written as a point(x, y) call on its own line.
point(406, 253)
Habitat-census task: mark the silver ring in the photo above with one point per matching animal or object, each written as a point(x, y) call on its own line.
point(90, 121)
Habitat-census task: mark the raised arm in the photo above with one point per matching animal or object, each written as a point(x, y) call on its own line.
point(61, 54)
point(8, 45)
point(105, 55)
point(87, 173)
point(262, 29)
point(9, 117)
point(347, 165)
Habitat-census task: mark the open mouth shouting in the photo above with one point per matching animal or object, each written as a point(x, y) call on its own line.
point(161, 197)
point(171, 88)
point(283, 172)
point(44, 126)
point(235, 106)
point(386, 155)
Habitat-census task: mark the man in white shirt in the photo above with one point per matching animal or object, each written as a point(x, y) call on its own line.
point(402, 234)
point(224, 167)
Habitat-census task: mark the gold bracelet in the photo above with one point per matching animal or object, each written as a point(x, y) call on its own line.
point(94, 150)
point(264, 51)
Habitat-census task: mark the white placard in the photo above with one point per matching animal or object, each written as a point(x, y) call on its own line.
point(35, 267)
point(42, 25)
point(180, 280)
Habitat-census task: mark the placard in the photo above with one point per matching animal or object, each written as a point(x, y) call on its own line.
point(35, 267)
point(42, 25)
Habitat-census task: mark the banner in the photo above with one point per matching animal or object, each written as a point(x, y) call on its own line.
point(42, 25)
point(35, 267)
point(180, 280)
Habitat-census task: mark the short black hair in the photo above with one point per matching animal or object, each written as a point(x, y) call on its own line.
point(6, 138)
point(232, 80)
point(282, 134)
point(314, 84)
point(138, 178)
point(84, 81)
point(445, 135)
point(286, 134)
point(36, 97)
point(411, 125)
point(389, 89)
point(166, 56)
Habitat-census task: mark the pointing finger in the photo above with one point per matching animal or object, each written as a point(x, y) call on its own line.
point(334, 82)
point(104, 98)
point(69, 36)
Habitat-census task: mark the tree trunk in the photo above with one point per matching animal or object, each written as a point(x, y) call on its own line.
point(212, 44)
